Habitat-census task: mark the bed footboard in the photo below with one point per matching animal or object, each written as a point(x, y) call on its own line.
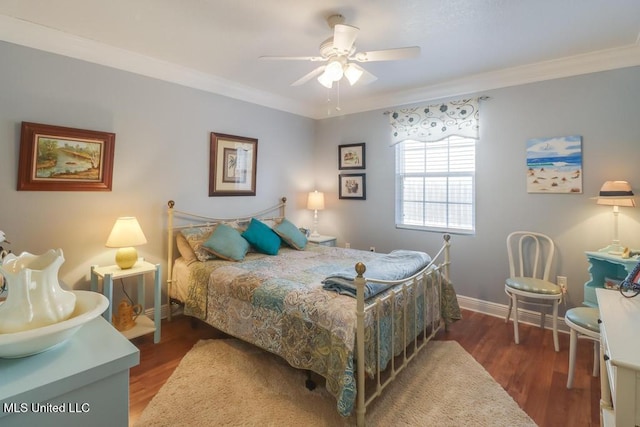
point(430, 292)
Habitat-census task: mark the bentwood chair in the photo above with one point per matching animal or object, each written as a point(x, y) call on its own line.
point(530, 257)
point(583, 323)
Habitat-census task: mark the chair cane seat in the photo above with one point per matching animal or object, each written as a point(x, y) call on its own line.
point(532, 284)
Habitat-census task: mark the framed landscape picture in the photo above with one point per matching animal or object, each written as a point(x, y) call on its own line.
point(56, 158)
point(351, 156)
point(352, 186)
point(232, 165)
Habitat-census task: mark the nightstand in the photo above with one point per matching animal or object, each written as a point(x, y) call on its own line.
point(144, 325)
point(322, 240)
point(604, 266)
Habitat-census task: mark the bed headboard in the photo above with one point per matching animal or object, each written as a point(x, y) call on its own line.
point(178, 220)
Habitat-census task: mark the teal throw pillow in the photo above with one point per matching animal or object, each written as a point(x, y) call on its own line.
point(262, 238)
point(291, 234)
point(226, 242)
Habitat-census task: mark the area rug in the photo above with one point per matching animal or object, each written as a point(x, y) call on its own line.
point(231, 383)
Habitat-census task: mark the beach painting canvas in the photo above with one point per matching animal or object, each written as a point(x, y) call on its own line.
point(554, 165)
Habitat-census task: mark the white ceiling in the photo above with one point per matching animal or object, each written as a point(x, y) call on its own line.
point(466, 45)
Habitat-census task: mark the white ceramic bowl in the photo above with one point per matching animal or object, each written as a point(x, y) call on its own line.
point(89, 305)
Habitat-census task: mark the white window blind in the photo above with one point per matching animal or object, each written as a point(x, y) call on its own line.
point(435, 185)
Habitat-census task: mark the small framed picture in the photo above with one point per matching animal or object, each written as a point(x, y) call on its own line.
point(351, 156)
point(232, 165)
point(56, 158)
point(352, 186)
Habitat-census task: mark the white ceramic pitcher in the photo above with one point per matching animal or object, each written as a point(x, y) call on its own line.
point(34, 298)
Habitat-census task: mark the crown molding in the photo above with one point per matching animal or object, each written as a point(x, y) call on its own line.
point(36, 36)
point(593, 62)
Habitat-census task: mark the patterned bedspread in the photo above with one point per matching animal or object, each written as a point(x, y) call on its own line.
point(278, 304)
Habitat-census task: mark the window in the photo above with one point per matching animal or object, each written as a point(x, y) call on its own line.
point(435, 184)
point(436, 164)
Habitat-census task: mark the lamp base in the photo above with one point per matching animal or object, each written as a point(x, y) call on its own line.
point(126, 257)
point(613, 249)
point(314, 232)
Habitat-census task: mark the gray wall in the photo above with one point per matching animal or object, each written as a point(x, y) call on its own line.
point(600, 107)
point(161, 153)
point(162, 141)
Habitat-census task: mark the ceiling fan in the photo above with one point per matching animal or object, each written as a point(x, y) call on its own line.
point(340, 53)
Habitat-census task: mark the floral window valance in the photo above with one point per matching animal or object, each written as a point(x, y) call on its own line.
point(435, 122)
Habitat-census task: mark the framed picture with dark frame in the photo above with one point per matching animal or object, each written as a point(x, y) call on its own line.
point(232, 165)
point(57, 158)
point(352, 186)
point(351, 156)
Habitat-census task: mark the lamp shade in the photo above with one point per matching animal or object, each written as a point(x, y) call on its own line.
point(315, 200)
point(126, 232)
point(616, 193)
point(334, 69)
point(325, 81)
point(353, 73)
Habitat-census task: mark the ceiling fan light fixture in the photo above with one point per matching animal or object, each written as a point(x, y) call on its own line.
point(325, 81)
point(334, 70)
point(339, 53)
point(353, 73)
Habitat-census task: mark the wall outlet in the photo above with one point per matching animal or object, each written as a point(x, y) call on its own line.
point(372, 248)
point(562, 282)
point(347, 245)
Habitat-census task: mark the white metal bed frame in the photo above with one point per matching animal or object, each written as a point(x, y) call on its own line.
point(438, 272)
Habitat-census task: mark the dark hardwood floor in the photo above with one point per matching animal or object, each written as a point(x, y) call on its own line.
point(531, 372)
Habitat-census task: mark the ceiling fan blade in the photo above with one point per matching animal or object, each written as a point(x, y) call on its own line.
point(366, 77)
point(343, 38)
point(388, 54)
point(309, 76)
point(294, 58)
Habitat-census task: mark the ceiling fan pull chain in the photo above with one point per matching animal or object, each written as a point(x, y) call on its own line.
point(328, 101)
point(338, 95)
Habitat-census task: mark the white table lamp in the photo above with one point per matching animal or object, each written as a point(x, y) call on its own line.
point(126, 234)
point(615, 193)
point(315, 202)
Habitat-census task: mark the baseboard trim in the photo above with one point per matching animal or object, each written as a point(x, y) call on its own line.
point(500, 310)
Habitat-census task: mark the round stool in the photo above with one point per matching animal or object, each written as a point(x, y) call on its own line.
point(583, 322)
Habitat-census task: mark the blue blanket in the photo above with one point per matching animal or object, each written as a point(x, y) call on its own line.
point(396, 265)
